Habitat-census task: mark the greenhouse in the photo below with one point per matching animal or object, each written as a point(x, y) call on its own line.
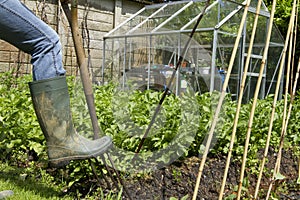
point(143, 50)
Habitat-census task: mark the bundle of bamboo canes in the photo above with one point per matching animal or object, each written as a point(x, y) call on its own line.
point(289, 42)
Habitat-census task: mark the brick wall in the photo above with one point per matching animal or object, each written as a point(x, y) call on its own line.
point(96, 18)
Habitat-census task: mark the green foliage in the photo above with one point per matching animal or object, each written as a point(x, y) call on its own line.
point(282, 18)
point(183, 198)
point(293, 136)
point(282, 13)
point(20, 132)
point(31, 183)
point(124, 116)
point(259, 129)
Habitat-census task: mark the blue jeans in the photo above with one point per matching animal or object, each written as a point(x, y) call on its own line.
point(21, 28)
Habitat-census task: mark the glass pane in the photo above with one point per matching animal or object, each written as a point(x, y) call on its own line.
point(136, 20)
point(162, 15)
point(215, 14)
point(113, 62)
point(276, 36)
point(188, 14)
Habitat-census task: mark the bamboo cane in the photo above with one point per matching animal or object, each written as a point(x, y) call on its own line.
point(284, 131)
point(257, 89)
point(286, 89)
point(285, 123)
point(72, 17)
point(298, 179)
point(222, 96)
point(271, 119)
point(295, 42)
point(240, 98)
point(294, 51)
point(284, 117)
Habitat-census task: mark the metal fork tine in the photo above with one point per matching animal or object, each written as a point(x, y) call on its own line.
point(119, 177)
point(108, 171)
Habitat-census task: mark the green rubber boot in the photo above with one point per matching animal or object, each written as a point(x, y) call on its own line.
point(51, 102)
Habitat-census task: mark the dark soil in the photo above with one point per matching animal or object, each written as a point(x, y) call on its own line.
point(178, 180)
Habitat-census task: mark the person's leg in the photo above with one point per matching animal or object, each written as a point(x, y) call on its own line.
point(49, 91)
point(21, 28)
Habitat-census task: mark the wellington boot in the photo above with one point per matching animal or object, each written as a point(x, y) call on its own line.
point(51, 102)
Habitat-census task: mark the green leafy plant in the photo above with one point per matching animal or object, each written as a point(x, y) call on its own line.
point(120, 115)
point(183, 198)
point(20, 132)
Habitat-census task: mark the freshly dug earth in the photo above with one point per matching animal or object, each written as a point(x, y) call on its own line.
point(178, 180)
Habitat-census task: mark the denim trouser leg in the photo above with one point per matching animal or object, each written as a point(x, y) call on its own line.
point(21, 28)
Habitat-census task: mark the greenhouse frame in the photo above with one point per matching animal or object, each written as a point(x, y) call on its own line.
point(143, 50)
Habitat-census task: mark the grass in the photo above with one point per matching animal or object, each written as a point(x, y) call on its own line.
point(26, 186)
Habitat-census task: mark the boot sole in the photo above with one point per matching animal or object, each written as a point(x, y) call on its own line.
point(61, 162)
